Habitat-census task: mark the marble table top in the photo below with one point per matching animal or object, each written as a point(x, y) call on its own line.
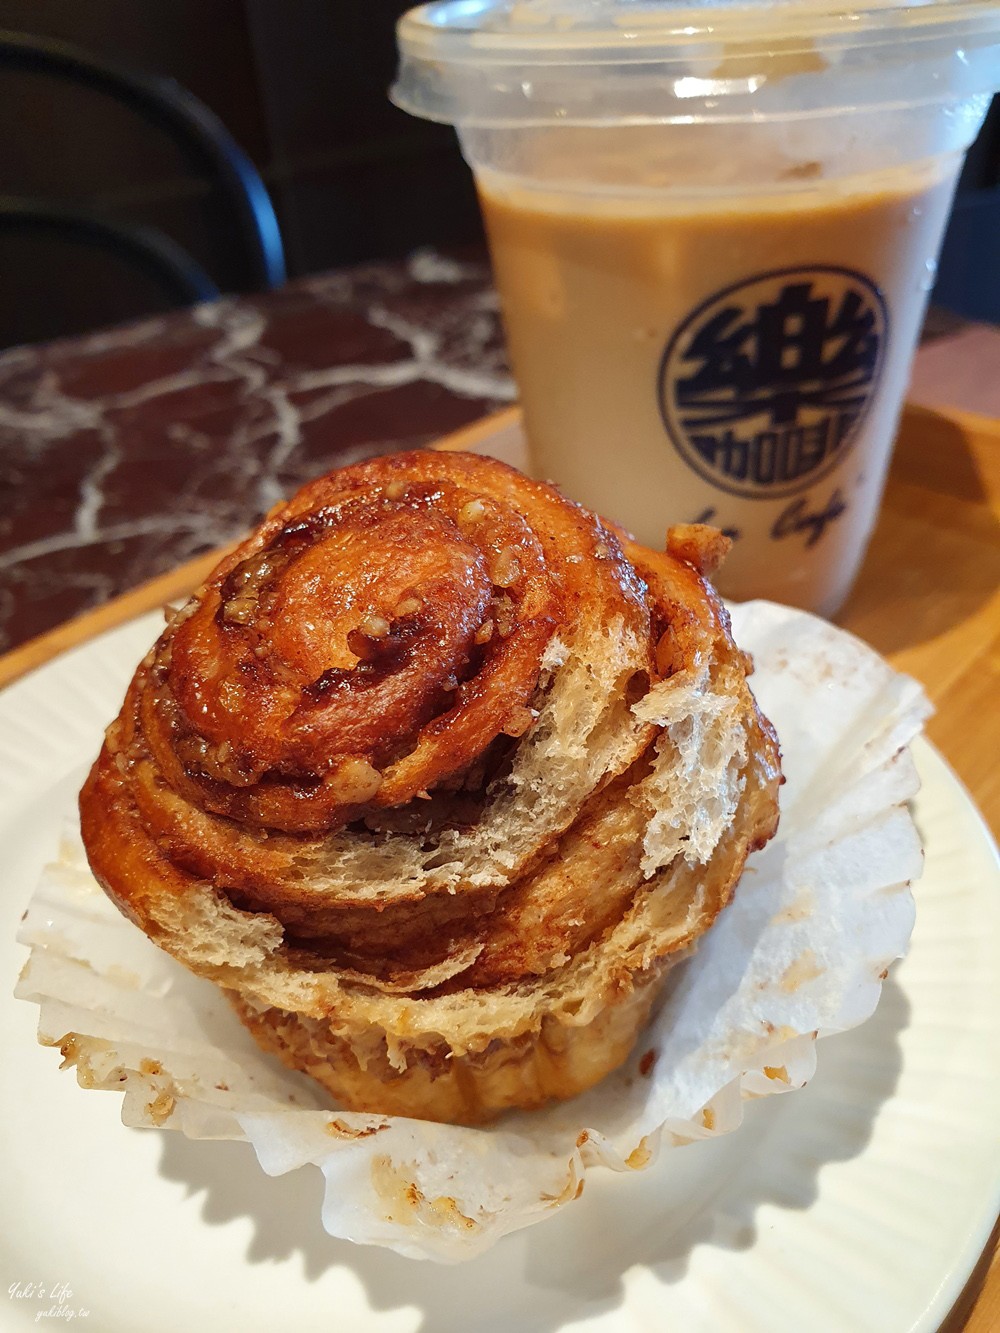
point(124, 453)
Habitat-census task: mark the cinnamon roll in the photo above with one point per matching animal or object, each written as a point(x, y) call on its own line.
point(438, 774)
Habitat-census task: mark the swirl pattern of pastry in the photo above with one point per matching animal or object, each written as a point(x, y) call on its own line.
point(437, 774)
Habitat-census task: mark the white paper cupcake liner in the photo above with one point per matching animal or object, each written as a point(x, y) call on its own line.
point(801, 952)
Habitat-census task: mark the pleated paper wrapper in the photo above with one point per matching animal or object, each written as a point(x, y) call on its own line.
point(801, 952)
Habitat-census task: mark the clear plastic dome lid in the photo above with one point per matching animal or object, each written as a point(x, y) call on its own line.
point(496, 62)
point(531, 25)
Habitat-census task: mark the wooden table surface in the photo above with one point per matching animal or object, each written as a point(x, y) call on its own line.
point(928, 599)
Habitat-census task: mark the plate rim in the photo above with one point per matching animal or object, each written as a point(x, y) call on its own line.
point(953, 1282)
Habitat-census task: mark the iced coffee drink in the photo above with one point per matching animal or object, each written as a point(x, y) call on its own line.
point(738, 363)
point(713, 232)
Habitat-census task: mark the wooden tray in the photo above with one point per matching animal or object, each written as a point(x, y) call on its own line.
point(928, 599)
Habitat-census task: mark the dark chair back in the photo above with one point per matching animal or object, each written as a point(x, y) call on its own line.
point(205, 143)
point(181, 278)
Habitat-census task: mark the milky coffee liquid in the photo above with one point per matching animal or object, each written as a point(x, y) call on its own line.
point(733, 361)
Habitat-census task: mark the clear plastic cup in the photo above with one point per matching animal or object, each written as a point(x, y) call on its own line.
point(713, 230)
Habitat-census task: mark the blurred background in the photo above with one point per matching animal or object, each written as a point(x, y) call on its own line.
point(301, 88)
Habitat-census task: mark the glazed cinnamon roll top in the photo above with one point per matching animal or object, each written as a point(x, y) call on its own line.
point(370, 643)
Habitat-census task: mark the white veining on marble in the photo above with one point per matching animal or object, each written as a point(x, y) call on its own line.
point(142, 331)
point(427, 365)
point(99, 490)
point(288, 430)
point(53, 414)
point(115, 532)
point(85, 520)
point(428, 266)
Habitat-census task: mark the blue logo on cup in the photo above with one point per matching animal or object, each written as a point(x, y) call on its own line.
point(763, 388)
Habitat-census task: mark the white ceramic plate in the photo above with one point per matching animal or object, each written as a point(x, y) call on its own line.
point(860, 1203)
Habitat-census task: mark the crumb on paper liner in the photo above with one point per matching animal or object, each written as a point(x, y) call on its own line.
point(801, 952)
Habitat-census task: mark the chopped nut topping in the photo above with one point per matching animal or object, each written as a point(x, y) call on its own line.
point(504, 614)
point(484, 633)
point(239, 611)
point(518, 720)
point(702, 547)
point(506, 569)
point(374, 626)
point(356, 781)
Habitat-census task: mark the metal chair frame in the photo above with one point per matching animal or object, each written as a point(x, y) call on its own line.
point(196, 129)
point(168, 264)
